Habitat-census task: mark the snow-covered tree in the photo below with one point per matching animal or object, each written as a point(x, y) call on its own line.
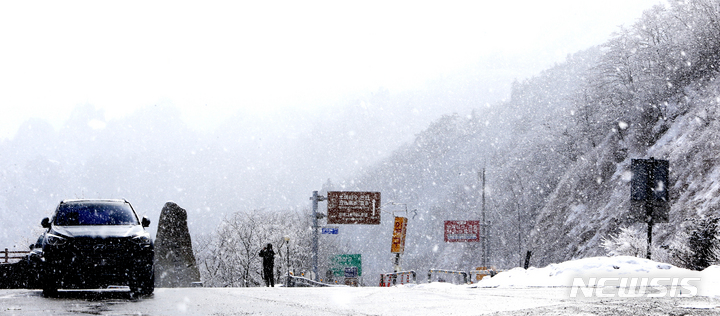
point(701, 247)
point(632, 241)
point(229, 257)
point(629, 241)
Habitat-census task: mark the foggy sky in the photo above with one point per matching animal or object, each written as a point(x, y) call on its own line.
point(214, 60)
point(225, 105)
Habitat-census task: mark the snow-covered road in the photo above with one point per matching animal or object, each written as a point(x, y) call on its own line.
point(426, 299)
point(604, 285)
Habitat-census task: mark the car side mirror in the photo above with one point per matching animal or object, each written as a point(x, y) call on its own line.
point(145, 221)
point(32, 246)
point(45, 223)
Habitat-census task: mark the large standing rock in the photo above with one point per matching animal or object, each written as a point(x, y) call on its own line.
point(174, 260)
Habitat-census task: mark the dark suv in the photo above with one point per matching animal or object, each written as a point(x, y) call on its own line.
point(95, 244)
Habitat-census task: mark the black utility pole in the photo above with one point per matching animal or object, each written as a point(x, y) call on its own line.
point(484, 225)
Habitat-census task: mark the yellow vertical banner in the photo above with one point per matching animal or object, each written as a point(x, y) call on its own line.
point(398, 239)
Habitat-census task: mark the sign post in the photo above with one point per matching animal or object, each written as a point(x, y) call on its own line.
point(315, 199)
point(346, 207)
point(649, 198)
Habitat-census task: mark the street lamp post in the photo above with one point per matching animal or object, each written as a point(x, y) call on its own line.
point(287, 249)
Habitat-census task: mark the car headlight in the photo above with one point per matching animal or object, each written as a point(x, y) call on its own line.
point(55, 240)
point(142, 240)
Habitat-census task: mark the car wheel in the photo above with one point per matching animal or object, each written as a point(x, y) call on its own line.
point(144, 285)
point(49, 286)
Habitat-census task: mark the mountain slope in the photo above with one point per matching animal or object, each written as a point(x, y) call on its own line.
point(557, 154)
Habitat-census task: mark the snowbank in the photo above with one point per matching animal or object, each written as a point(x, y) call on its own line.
point(563, 274)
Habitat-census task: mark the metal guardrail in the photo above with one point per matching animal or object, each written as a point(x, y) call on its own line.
point(479, 274)
point(6, 255)
point(294, 281)
point(440, 271)
point(402, 277)
point(405, 277)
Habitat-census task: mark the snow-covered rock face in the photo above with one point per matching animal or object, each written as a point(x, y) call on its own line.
point(689, 143)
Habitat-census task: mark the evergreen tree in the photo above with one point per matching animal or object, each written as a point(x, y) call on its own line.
point(701, 248)
point(704, 244)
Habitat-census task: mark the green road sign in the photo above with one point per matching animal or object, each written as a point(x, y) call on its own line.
point(340, 262)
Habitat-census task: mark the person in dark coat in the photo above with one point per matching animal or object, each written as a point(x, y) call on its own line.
point(268, 256)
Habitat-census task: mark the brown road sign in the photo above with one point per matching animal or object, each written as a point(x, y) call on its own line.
point(346, 207)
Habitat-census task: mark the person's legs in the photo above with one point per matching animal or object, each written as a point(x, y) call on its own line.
point(267, 273)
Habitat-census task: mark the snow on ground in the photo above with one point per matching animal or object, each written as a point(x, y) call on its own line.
point(536, 291)
point(563, 274)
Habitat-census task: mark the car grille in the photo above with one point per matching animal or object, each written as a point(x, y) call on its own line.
point(94, 251)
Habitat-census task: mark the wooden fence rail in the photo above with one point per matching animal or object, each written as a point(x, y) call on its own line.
point(6, 255)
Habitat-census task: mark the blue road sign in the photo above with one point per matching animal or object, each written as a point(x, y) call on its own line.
point(330, 230)
point(351, 272)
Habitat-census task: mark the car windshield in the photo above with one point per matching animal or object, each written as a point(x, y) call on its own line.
point(95, 213)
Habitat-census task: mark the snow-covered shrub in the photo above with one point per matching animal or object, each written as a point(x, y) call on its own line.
point(628, 242)
point(632, 241)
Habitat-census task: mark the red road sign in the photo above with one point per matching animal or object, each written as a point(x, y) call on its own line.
point(462, 231)
point(354, 208)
